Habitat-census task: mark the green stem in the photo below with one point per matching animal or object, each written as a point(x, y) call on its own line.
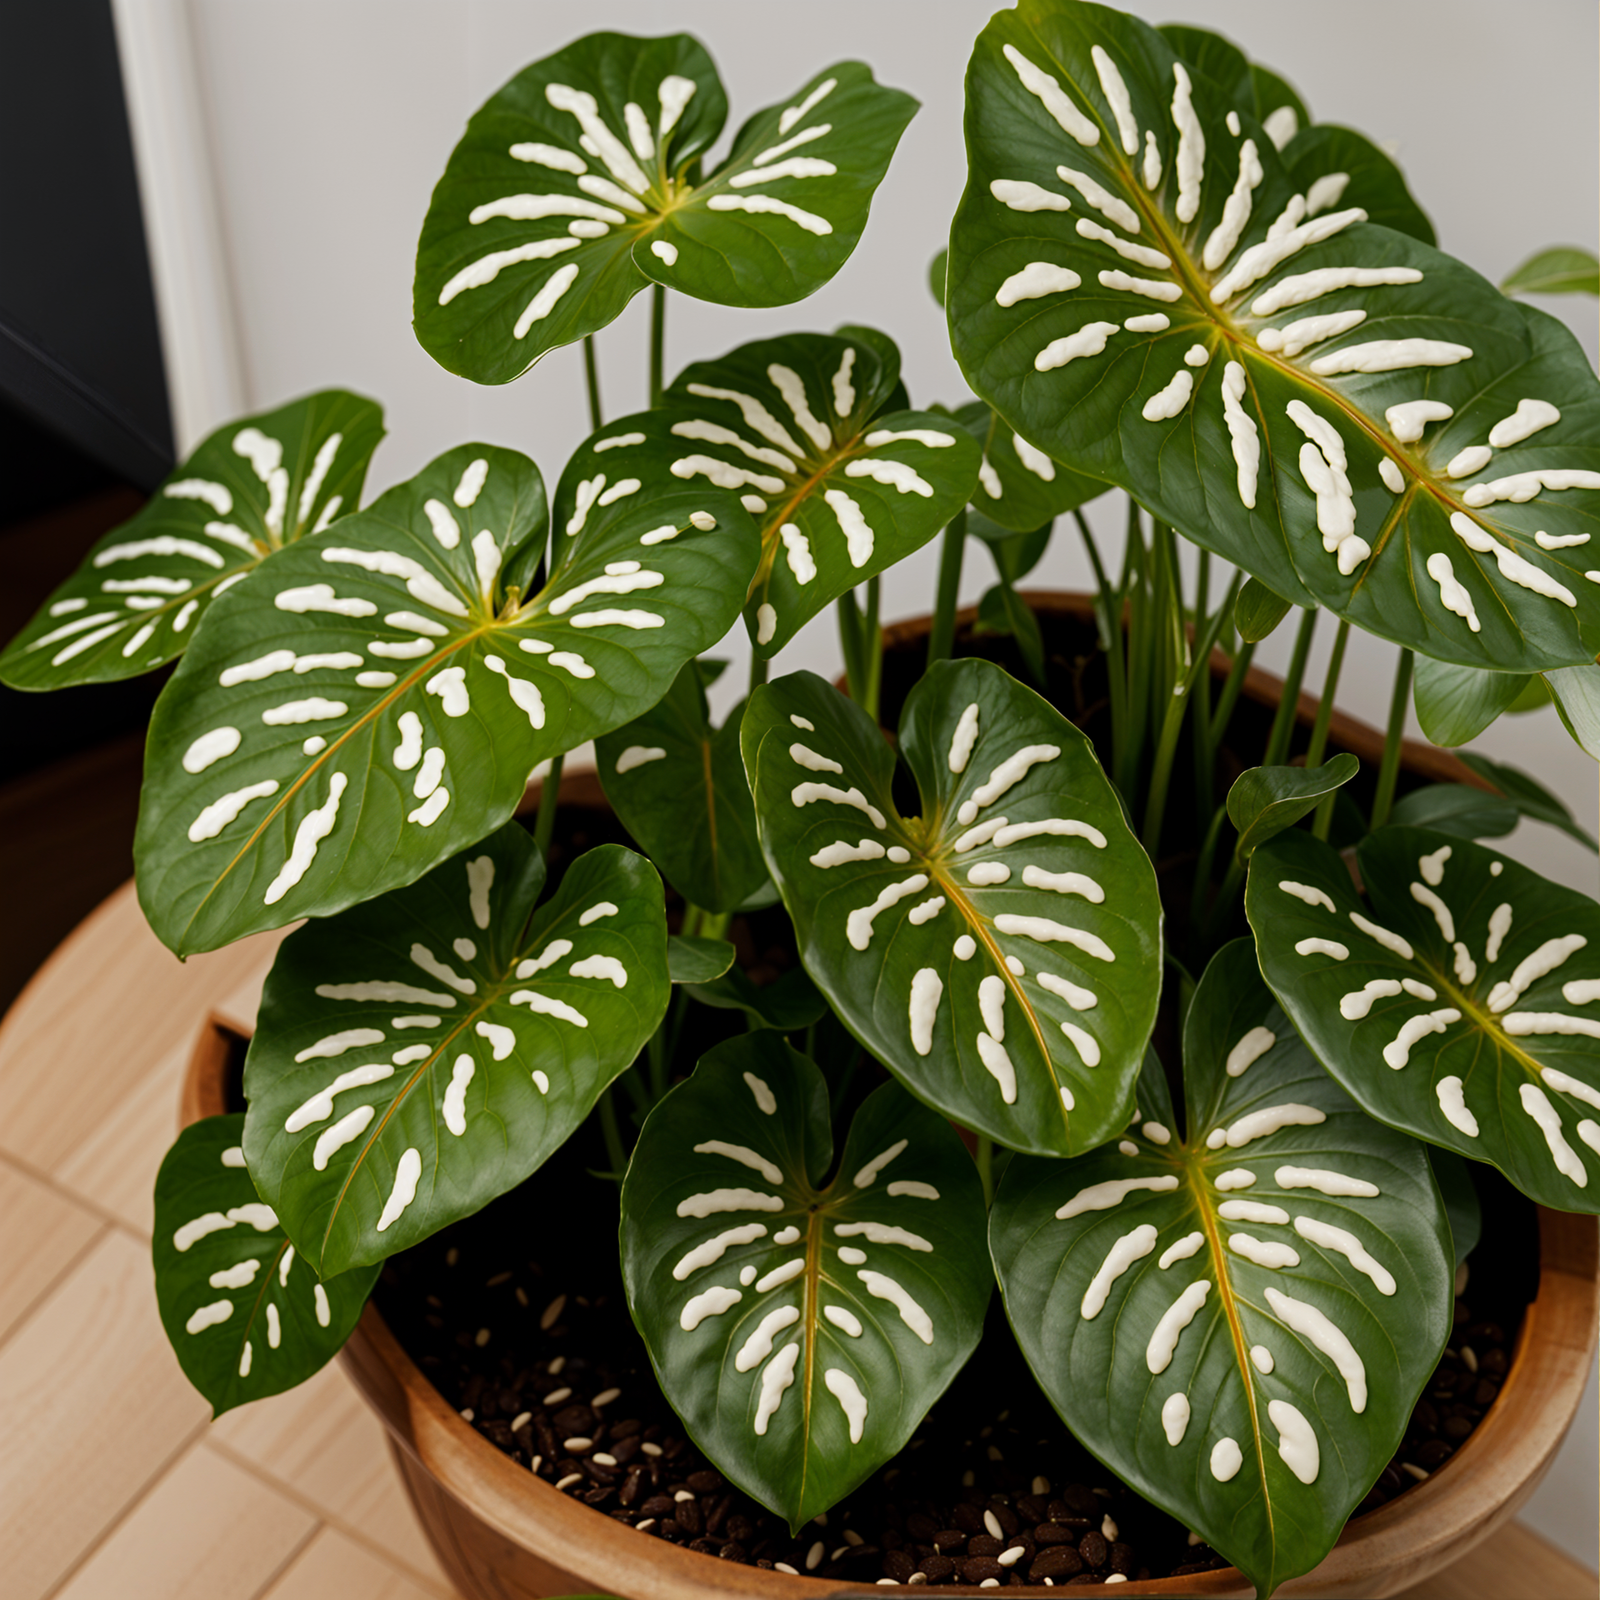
point(1108, 612)
point(1283, 724)
point(872, 651)
point(608, 1128)
point(658, 339)
point(985, 1160)
point(1202, 869)
point(758, 669)
point(1389, 770)
point(1230, 695)
point(544, 826)
point(849, 615)
point(591, 378)
point(942, 635)
point(1323, 820)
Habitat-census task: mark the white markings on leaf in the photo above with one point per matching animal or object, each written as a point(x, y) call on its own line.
point(1168, 401)
point(766, 1100)
point(859, 923)
point(912, 1314)
point(1539, 964)
point(1163, 1343)
point(1037, 279)
point(1249, 1050)
point(1537, 1105)
point(1513, 567)
point(1243, 434)
point(1224, 239)
point(210, 747)
point(1053, 98)
point(1045, 931)
point(1131, 1247)
point(216, 816)
point(927, 988)
point(1305, 1319)
point(1112, 1192)
point(320, 1106)
point(858, 534)
point(1101, 198)
point(408, 1173)
point(1258, 1124)
point(711, 1302)
point(1191, 157)
point(1179, 1250)
point(215, 495)
point(1324, 466)
point(1150, 288)
point(713, 1249)
point(1267, 256)
point(349, 1127)
point(1394, 355)
point(1407, 420)
point(1089, 340)
point(1262, 1252)
point(1301, 335)
point(1528, 419)
point(1175, 1417)
point(1327, 1237)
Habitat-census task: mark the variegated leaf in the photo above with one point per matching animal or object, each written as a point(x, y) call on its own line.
point(422, 1053)
point(801, 1327)
point(1019, 486)
point(370, 703)
point(250, 488)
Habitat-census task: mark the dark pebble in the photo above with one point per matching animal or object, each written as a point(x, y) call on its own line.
point(940, 1569)
point(1055, 1533)
point(923, 1528)
point(1004, 1515)
point(1081, 1500)
point(898, 1565)
point(733, 1551)
point(571, 1421)
point(948, 1540)
point(1059, 1561)
point(1456, 1428)
point(976, 1568)
point(658, 1505)
point(985, 1544)
point(968, 1518)
point(1121, 1557)
point(1433, 1454)
point(689, 1518)
point(1094, 1549)
point(704, 1482)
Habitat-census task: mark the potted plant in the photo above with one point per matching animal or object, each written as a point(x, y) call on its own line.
point(1228, 1260)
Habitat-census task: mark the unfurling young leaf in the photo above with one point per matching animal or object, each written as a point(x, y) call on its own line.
point(1266, 800)
point(1141, 287)
point(579, 182)
point(1460, 1001)
point(246, 1316)
point(1000, 953)
point(1235, 1312)
point(1258, 611)
point(369, 703)
point(248, 489)
point(801, 1331)
point(418, 1055)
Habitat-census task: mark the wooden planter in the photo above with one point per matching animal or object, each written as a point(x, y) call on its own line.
point(503, 1534)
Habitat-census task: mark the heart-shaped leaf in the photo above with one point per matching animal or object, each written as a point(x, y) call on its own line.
point(800, 1327)
point(678, 786)
point(578, 182)
point(1266, 800)
point(1562, 269)
point(1019, 486)
point(1353, 417)
point(1455, 704)
point(1528, 795)
point(369, 704)
point(1000, 953)
point(1239, 1320)
point(841, 488)
point(246, 1316)
point(1576, 692)
point(1458, 809)
point(422, 1053)
point(249, 488)
point(1460, 1001)
point(698, 960)
point(1257, 611)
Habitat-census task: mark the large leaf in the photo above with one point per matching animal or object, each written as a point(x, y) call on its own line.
point(1353, 417)
point(418, 1055)
point(1460, 1001)
point(801, 1327)
point(1000, 953)
point(369, 704)
point(1561, 269)
point(1236, 1320)
point(678, 786)
point(249, 488)
point(1455, 704)
point(842, 487)
point(1019, 486)
point(578, 182)
point(247, 1316)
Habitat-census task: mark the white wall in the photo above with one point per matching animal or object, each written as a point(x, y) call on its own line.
point(330, 120)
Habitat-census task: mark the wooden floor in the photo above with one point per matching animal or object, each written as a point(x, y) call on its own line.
point(113, 1483)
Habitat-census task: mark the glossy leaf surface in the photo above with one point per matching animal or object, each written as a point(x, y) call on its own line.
point(248, 489)
point(1266, 800)
point(1236, 1320)
point(369, 704)
point(800, 1330)
point(1576, 692)
point(246, 1316)
point(788, 1002)
point(1456, 808)
point(1258, 611)
point(1019, 486)
point(1460, 1002)
point(698, 960)
point(580, 181)
point(1000, 953)
point(678, 786)
point(1353, 417)
point(1562, 269)
point(420, 1054)
point(1455, 704)
point(1528, 795)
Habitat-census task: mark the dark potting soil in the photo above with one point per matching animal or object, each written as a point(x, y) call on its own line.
point(523, 1328)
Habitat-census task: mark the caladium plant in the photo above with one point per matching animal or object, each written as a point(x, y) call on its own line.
point(951, 945)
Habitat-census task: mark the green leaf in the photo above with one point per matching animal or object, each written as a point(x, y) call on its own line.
point(1279, 108)
point(936, 275)
point(788, 1002)
point(372, 702)
point(1266, 800)
point(1455, 704)
point(841, 490)
point(999, 953)
point(1562, 269)
point(1576, 692)
point(422, 1053)
point(1335, 166)
point(246, 1316)
point(698, 960)
point(1238, 1320)
point(1002, 611)
point(579, 182)
point(1528, 795)
point(1460, 1002)
point(800, 1327)
point(249, 488)
point(1456, 808)
point(1257, 611)
point(1019, 486)
point(677, 785)
point(1460, 1198)
point(1251, 402)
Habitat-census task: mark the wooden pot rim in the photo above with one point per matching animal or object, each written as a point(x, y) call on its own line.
point(1431, 1524)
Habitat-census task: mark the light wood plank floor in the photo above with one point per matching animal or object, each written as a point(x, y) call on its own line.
point(113, 1483)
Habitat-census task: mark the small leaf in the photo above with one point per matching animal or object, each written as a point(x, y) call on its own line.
point(249, 488)
point(373, 701)
point(801, 1330)
point(936, 275)
point(1019, 487)
point(790, 1001)
point(1528, 795)
point(1460, 1002)
point(697, 960)
point(1562, 269)
point(678, 786)
point(1266, 800)
point(246, 1316)
point(998, 953)
point(1455, 704)
point(580, 181)
point(422, 1053)
point(1576, 692)
point(1257, 611)
point(1456, 808)
point(1236, 1318)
